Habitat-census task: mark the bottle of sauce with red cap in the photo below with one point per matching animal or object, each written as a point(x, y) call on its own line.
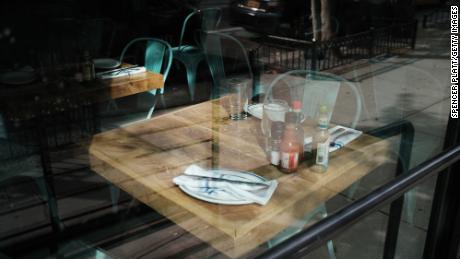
point(290, 146)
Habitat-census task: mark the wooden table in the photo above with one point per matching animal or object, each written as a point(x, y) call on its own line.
point(143, 158)
point(94, 91)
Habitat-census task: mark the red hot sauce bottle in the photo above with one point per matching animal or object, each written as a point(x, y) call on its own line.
point(290, 145)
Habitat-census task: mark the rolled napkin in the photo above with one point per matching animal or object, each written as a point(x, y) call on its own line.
point(339, 137)
point(120, 72)
point(227, 184)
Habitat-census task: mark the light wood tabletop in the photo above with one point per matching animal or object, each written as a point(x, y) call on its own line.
point(96, 90)
point(143, 158)
point(16, 101)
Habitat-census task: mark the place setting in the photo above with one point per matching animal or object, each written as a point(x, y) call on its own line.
point(226, 187)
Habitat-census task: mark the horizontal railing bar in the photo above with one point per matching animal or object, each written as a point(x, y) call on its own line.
point(309, 239)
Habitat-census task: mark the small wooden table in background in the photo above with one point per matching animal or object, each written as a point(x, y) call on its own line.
point(94, 91)
point(143, 158)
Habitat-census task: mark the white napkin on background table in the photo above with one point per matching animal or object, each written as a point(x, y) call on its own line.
point(339, 139)
point(120, 73)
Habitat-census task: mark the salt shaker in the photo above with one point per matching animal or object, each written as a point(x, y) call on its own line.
point(275, 142)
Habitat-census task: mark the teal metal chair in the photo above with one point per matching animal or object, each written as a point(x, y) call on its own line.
point(216, 46)
point(16, 161)
point(157, 58)
point(190, 55)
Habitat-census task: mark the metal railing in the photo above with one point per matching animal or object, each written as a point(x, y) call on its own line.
point(286, 54)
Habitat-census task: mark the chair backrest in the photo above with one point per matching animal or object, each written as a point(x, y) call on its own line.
point(210, 20)
point(157, 55)
point(215, 45)
point(313, 89)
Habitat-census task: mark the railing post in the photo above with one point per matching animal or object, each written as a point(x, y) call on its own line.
point(256, 70)
point(371, 42)
point(314, 56)
point(388, 31)
point(414, 34)
point(425, 18)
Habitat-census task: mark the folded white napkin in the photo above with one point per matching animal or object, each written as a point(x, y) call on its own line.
point(339, 137)
point(120, 72)
point(227, 185)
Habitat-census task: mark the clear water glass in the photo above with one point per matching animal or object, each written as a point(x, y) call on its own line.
point(273, 110)
point(238, 98)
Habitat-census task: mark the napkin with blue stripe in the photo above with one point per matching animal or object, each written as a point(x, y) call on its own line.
point(228, 184)
point(339, 137)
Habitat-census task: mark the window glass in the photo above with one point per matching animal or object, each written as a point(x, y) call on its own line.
point(206, 128)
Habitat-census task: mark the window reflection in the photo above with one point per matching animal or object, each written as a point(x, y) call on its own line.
point(103, 104)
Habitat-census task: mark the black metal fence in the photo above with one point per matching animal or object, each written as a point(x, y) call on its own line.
point(286, 54)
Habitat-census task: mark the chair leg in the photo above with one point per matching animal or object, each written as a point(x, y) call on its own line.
point(352, 190)
point(409, 204)
point(155, 100)
point(330, 249)
point(191, 78)
point(115, 196)
point(52, 204)
point(149, 114)
point(329, 244)
point(298, 226)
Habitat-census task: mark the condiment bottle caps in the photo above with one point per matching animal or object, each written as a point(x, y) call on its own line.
point(323, 109)
point(296, 105)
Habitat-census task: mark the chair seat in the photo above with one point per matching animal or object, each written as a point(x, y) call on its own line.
point(187, 51)
point(190, 56)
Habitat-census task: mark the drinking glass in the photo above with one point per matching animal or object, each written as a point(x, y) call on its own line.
point(238, 98)
point(273, 110)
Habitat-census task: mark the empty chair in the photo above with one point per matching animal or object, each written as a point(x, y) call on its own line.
point(154, 54)
point(19, 161)
point(192, 55)
point(315, 89)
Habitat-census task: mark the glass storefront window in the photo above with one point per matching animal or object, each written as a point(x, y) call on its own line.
point(152, 129)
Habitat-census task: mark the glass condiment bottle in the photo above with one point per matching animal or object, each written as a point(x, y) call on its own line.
point(275, 142)
point(297, 108)
point(290, 146)
point(320, 143)
point(88, 69)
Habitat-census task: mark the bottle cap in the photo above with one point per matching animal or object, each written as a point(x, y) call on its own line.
point(323, 109)
point(297, 105)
